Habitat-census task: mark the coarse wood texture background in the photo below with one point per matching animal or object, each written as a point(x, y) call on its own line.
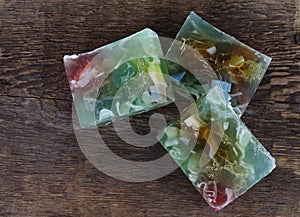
point(42, 169)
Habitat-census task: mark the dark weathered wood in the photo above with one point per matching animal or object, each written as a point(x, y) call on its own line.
point(42, 170)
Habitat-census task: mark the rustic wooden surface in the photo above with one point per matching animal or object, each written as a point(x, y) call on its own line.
point(42, 170)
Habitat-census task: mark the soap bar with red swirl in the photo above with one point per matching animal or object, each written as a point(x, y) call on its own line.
point(215, 150)
point(123, 78)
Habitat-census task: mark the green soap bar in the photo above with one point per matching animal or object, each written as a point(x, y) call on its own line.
point(123, 78)
point(231, 60)
point(215, 150)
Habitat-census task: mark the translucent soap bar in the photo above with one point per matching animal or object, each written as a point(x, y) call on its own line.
point(123, 78)
point(215, 150)
point(231, 60)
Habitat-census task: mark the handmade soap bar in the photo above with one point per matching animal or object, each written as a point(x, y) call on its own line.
point(119, 79)
point(232, 61)
point(215, 150)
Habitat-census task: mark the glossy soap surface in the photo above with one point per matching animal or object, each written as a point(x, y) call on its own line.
point(231, 60)
point(120, 79)
point(215, 150)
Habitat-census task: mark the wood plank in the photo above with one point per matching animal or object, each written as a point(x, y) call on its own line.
point(42, 169)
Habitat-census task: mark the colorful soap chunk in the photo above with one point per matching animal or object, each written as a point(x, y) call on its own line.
point(123, 78)
point(215, 150)
point(232, 61)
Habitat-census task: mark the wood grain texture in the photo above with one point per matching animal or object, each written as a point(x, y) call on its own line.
point(42, 170)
